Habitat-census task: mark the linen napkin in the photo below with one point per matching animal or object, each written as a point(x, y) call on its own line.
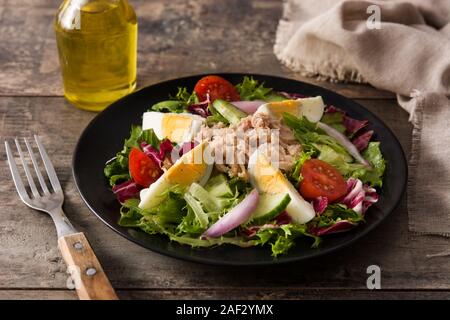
point(408, 53)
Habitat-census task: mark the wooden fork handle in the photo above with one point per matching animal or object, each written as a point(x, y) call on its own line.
point(87, 274)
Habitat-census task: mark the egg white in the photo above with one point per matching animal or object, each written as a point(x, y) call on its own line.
point(154, 120)
point(269, 179)
point(311, 108)
point(154, 194)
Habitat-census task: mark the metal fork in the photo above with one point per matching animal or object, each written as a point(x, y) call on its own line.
point(87, 274)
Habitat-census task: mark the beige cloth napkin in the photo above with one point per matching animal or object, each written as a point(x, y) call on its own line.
point(409, 55)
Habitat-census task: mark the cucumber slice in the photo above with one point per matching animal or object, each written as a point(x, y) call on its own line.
point(204, 197)
point(269, 206)
point(228, 111)
point(218, 186)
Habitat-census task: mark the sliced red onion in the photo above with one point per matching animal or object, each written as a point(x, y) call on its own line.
point(343, 140)
point(249, 107)
point(283, 218)
point(235, 216)
point(340, 226)
point(362, 141)
point(200, 109)
point(355, 197)
point(371, 197)
point(165, 148)
point(320, 204)
point(126, 190)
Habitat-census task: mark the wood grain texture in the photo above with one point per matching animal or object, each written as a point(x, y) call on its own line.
point(176, 38)
point(239, 294)
point(87, 274)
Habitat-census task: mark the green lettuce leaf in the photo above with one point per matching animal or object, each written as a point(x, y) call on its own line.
point(169, 213)
point(283, 238)
point(173, 106)
point(329, 150)
point(209, 242)
point(178, 103)
point(251, 89)
point(373, 154)
point(372, 176)
point(309, 135)
point(338, 160)
point(186, 97)
point(117, 169)
point(335, 120)
point(334, 213)
point(130, 214)
point(295, 176)
point(215, 117)
point(190, 224)
point(197, 209)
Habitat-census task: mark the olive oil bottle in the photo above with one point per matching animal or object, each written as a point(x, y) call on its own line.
point(97, 44)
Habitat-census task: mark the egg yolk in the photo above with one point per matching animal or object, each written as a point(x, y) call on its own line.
point(280, 107)
point(189, 168)
point(268, 179)
point(174, 127)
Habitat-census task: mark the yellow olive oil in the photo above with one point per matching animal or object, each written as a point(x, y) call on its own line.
point(97, 44)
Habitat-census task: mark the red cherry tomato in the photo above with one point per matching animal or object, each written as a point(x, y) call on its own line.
point(217, 88)
point(321, 179)
point(143, 170)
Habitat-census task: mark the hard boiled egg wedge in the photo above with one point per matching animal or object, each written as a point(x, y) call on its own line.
point(311, 108)
point(269, 179)
point(177, 127)
point(194, 166)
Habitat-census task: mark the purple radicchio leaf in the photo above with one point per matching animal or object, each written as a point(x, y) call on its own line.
point(340, 226)
point(355, 195)
point(359, 197)
point(371, 197)
point(320, 204)
point(201, 108)
point(165, 148)
point(352, 126)
point(126, 190)
point(281, 219)
point(362, 140)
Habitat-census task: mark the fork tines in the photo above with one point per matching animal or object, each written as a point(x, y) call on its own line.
point(29, 177)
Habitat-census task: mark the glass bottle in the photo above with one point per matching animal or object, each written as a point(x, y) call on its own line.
point(97, 45)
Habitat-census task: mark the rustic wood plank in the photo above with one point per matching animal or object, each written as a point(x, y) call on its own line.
point(236, 294)
point(29, 257)
point(176, 38)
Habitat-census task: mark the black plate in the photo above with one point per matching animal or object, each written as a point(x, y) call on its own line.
point(104, 136)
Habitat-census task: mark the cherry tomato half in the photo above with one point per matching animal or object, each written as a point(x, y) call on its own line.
point(143, 170)
point(217, 88)
point(321, 179)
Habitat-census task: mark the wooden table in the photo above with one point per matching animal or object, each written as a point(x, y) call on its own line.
point(178, 38)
